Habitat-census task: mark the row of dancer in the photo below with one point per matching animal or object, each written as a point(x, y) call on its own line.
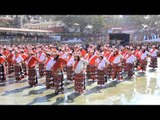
point(97, 64)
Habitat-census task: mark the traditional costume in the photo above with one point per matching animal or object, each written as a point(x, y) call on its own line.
point(57, 72)
point(41, 56)
point(101, 64)
point(2, 68)
point(129, 66)
point(49, 76)
point(79, 75)
point(116, 66)
point(18, 67)
point(70, 63)
point(153, 62)
point(32, 74)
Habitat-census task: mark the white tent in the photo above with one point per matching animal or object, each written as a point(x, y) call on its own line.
point(152, 40)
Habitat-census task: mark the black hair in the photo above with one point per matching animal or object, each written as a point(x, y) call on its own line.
point(22, 51)
point(78, 58)
point(70, 53)
point(72, 50)
point(48, 54)
point(56, 58)
point(143, 50)
point(100, 50)
point(101, 56)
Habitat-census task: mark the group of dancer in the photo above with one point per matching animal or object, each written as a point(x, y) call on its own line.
point(80, 64)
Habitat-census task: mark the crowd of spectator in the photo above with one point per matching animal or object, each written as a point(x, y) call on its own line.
point(24, 38)
point(147, 34)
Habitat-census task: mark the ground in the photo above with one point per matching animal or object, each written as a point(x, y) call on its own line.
point(143, 88)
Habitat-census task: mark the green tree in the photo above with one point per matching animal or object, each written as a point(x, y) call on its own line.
point(4, 23)
point(141, 21)
point(97, 21)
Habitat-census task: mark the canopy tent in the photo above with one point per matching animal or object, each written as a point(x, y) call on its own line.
point(152, 40)
point(72, 41)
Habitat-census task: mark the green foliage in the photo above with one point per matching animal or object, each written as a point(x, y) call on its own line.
point(143, 21)
point(97, 21)
point(4, 24)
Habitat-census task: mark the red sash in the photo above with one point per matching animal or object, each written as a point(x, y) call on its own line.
point(75, 65)
point(86, 57)
point(47, 61)
point(104, 53)
point(69, 58)
point(99, 62)
point(125, 54)
point(39, 56)
point(136, 53)
point(139, 56)
point(16, 58)
point(24, 56)
point(112, 58)
point(107, 54)
point(2, 59)
point(83, 52)
point(92, 60)
point(128, 56)
point(153, 51)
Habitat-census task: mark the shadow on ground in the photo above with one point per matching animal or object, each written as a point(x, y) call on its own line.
point(7, 82)
point(45, 98)
point(141, 74)
point(15, 90)
point(89, 83)
point(40, 91)
point(69, 98)
point(35, 92)
point(97, 89)
point(152, 70)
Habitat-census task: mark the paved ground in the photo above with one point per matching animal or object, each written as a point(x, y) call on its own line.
point(142, 89)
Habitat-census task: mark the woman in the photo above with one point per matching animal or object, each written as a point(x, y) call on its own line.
point(116, 62)
point(57, 72)
point(154, 53)
point(101, 64)
point(143, 60)
point(129, 63)
point(31, 64)
point(2, 67)
point(48, 65)
point(17, 59)
point(79, 74)
point(70, 62)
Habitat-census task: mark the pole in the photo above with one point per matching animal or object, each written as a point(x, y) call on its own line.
point(21, 21)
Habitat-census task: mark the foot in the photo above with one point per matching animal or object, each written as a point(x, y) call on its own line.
point(103, 85)
point(119, 80)
point(56, 93)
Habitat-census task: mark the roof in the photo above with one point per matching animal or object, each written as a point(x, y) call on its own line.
point(55, 24)
point(115, 28)
point(23, 30)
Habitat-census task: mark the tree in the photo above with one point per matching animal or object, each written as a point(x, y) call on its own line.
point(3, 21)
point(113, 21)
point(97, 21)
point(4, 24)
point(143, 21)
